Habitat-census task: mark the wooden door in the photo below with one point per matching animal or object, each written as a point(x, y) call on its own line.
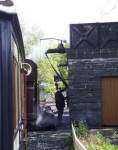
point(110, 101)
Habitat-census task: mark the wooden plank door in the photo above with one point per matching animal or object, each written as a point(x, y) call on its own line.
point(110, 101)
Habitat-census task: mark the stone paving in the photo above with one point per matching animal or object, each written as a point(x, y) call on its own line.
point(50, 140)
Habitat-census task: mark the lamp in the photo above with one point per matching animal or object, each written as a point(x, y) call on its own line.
point(59, 49)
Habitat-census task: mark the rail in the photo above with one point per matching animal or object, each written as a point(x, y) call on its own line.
point(77, 144)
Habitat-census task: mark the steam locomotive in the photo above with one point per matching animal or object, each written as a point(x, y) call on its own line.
point(18, 84)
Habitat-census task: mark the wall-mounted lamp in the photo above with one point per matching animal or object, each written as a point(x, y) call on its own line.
point(59, 49)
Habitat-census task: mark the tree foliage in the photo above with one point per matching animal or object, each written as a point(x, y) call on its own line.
point(46, 72)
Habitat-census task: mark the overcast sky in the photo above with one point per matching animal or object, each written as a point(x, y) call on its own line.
point(54, 16)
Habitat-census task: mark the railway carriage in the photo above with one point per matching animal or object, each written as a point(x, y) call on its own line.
point(13, 109)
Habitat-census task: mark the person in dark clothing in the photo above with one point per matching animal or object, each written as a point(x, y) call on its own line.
point(60, 104)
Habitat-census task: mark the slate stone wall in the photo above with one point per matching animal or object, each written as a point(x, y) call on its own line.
point(87, 66)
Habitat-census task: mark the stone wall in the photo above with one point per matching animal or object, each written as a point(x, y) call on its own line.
point(87, 66)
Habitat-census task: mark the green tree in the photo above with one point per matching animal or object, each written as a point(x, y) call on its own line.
point(46, 72)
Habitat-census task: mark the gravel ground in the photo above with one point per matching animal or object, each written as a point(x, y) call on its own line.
point(50, 140)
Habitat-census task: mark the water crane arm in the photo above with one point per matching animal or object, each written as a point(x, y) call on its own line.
point(62, 79)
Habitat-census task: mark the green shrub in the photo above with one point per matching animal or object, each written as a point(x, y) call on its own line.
point(81, 129)
point(103, 146)
point(92, 141)
point(101, 143)
point(100, 138)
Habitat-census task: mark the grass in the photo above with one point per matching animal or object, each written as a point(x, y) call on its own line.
point(92, 141)
point(99, 142)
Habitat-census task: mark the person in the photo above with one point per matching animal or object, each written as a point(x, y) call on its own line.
point(60, 104)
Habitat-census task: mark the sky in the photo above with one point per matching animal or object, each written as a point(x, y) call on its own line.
point(53, 17)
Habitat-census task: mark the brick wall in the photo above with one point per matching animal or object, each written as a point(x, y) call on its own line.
point(93, 55)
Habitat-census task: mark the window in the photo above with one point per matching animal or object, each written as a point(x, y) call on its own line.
point(16, 62)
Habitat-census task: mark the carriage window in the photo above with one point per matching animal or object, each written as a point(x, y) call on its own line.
point(15, 93)
point(14, 49)
point(16, 85)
